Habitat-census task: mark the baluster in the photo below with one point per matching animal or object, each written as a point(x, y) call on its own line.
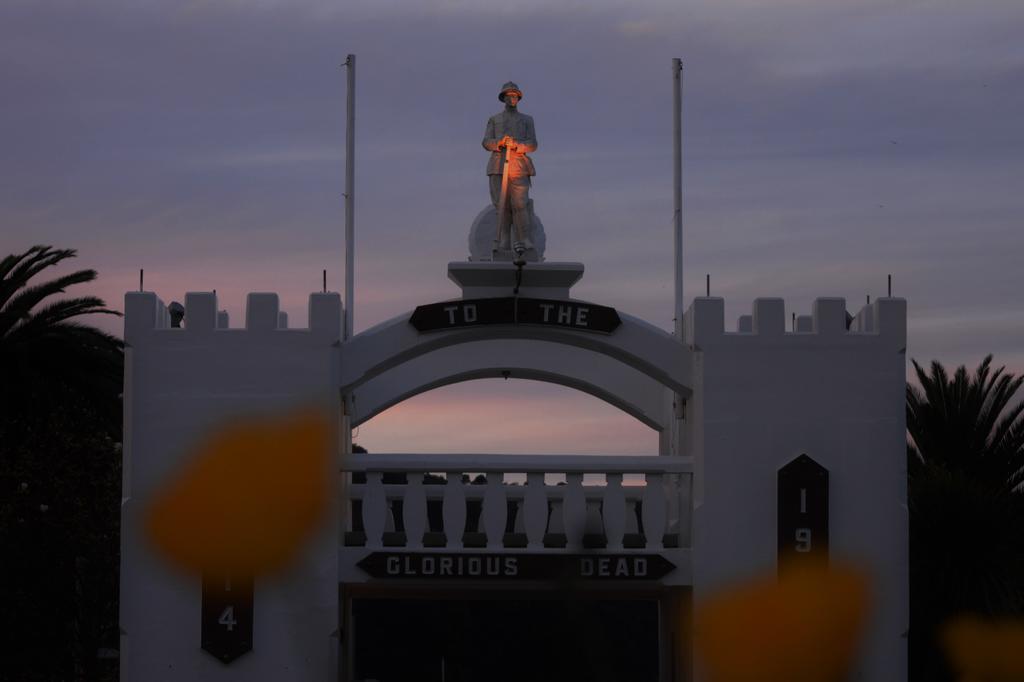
point(453, 510)
point(574, 508)
point(631, 523)
point(348, 500)
point(686, 510)
point(535, 510)
point(495, 511)
point(654, 511)
point(556, 519)
point(414, 511)
point(672, 513)
point(614, 511)
point(593, 524)
point(375, 510)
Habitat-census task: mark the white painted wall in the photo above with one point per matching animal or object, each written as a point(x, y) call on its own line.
point(180, 383)
point(763, 397)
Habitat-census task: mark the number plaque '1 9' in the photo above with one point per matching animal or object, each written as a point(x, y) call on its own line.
point(803, 510)
point(227, 616)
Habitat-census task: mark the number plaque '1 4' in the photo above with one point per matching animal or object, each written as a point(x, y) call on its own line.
point(803, 510)
point(227, 616)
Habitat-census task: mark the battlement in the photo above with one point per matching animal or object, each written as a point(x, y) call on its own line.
point(882, 322)
point(145, 314)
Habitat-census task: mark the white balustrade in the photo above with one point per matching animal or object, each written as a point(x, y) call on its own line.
point(595, 509)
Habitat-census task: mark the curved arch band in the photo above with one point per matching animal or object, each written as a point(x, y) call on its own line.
point(636, 344)
point(598, 375)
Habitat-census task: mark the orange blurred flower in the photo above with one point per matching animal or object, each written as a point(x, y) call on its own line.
point(804, 626)
point(250, 497)
point(984, 651)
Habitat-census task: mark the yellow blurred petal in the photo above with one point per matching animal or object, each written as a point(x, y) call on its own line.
point(804, 626)
point(986, 651)
point(248, 499)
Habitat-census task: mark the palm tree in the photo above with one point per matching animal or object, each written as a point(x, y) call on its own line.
point(964, 464)
point(966, 424)
point(60, 464)
point(46, 354)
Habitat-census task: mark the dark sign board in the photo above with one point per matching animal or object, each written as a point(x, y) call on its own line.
point(459, 566)
point(803, 510)
point(227, 616)
point(513, 310)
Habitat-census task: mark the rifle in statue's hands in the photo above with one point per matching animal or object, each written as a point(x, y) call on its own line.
point(506, 144)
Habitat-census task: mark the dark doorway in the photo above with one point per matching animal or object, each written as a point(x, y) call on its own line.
point(515, 638)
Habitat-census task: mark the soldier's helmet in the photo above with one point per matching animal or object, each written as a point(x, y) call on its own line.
point(507, 88)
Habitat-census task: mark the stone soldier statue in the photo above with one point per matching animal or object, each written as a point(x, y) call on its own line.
point(512, 130)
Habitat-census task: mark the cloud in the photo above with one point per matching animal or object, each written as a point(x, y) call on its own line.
point(826, 145)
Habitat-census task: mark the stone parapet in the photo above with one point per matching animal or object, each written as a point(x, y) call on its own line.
point(882, 322)
point(145, 313)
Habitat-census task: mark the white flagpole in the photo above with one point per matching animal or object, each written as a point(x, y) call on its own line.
point(677, 167)
point(350, 161)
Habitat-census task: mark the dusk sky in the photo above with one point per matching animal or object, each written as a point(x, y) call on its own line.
point(827, 143)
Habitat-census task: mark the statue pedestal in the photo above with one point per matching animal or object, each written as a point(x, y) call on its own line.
point(485, 229)
point(497, 279)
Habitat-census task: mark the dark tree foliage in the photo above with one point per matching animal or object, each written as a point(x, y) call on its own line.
point(60, 480)
point(964, 463)
point(966, 424)
point(45, 351)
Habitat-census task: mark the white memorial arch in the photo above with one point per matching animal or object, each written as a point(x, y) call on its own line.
point(732, 408)
point(773, 442)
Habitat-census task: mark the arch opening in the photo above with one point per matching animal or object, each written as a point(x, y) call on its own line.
point(514, 416)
